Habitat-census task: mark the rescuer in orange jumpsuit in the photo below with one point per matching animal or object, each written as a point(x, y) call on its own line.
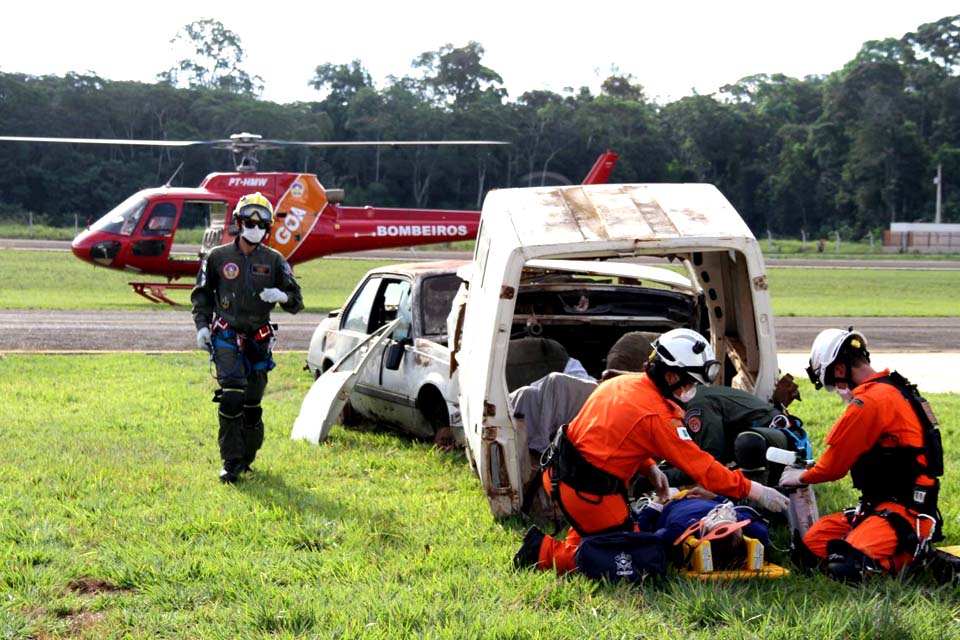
point(629, 422)
point(892, 451)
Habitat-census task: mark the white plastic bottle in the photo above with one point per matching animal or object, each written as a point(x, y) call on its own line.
point(803, 510)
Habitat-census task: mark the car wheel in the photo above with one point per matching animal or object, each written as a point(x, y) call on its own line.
point(348, 416)
point(434, 409)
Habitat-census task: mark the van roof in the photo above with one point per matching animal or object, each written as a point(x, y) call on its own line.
point(645, 215)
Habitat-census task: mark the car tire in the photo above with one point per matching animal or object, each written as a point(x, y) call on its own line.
point(434, 410)
point(349, 416)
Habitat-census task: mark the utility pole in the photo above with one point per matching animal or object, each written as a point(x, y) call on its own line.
point(938, 181)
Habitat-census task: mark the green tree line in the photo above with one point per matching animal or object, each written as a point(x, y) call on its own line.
point(850, 151)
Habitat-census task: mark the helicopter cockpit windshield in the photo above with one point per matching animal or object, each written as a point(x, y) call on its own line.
point(123, 218)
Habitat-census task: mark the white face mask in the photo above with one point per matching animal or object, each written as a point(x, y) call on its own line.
point(846, 395)
point(688, 395)
point(724, 513)
point(253, 236)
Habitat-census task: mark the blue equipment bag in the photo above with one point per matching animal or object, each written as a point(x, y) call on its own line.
point(622, 555)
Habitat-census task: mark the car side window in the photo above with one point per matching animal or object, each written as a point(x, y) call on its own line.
point(404, 328)
point(436, 299)
point(377, 303)
point(396, 295)
point(357, 316)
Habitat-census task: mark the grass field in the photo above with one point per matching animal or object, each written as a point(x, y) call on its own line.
point(113, 525)
point(54, 280)
point(778, 248)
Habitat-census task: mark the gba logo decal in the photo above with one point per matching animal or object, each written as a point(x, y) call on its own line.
point(231, 271)
point(296, 189)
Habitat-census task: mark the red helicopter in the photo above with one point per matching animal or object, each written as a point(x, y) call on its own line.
point(137, 235)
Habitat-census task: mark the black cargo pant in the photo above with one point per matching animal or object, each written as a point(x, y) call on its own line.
point(243, 379)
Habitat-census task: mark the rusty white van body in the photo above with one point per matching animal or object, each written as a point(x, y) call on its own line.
point(607, 229)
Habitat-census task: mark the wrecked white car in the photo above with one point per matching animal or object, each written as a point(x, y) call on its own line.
point(406, 381)
point(516, 292)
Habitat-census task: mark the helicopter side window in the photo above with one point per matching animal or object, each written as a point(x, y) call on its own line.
point(196, 214)
point(161, 219)
point(123, 218)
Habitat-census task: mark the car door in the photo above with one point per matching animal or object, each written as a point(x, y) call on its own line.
point(354, 323)
point(395, 389)
point(376, 303)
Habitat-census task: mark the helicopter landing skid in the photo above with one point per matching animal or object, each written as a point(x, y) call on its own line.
point(154, 291)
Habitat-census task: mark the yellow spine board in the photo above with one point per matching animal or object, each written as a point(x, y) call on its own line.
point(700, 564)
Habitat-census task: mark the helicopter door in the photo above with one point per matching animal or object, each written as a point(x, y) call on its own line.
point(157, 231)
point(198, 220)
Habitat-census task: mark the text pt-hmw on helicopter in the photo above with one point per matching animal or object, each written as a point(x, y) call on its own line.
point(247, 182)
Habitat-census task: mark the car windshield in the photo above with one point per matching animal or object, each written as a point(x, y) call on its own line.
point(437, 294)
point(123, 218)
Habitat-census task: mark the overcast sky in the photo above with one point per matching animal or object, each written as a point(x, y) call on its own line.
point(671, 48)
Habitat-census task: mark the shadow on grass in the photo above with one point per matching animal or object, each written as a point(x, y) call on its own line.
point(272, 489)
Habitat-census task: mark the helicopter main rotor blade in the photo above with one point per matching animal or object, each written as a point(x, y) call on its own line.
point(154, 143)
point(253, 144)
point(381, 143)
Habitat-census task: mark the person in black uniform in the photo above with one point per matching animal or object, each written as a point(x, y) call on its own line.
point(238, 285)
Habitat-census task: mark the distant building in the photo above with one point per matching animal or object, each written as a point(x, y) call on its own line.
point(921, 237)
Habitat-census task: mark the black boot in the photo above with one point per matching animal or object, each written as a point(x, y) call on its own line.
point(529, 553)
point(231, 471)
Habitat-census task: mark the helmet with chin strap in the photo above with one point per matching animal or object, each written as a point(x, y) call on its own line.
point(835, 346)
point(254, 207)
point(686, 353)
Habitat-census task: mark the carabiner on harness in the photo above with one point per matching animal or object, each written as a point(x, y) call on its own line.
point(923, 542)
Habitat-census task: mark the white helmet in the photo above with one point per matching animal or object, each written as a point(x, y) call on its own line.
point(826, 350)
point(688, 352)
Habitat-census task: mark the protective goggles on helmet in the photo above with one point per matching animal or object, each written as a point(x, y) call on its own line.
point(704, 373)
point(814, 375)
point(255, 212)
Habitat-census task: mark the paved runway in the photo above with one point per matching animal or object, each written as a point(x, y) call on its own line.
point(416, 253)
point(926, 350)
point(932, 372)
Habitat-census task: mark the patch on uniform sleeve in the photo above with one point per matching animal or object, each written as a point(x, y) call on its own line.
point(857, 401)
point(202, 275)
point(261, 270)
point(287, 270)
point(692, 421)
point(682, 433)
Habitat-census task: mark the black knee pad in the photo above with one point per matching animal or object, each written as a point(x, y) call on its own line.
point(750, 451)
point(847, 564)
point(231, 403)
point(802, 557)
point(252, 415)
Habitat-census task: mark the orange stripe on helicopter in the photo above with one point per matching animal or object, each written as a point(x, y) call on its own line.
point(302, 203)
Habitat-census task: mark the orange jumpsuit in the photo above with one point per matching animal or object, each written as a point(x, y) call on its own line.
point(624, 426)
point(878, 414)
